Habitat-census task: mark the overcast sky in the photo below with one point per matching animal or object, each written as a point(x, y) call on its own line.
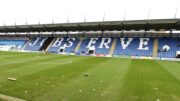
point(18, 11)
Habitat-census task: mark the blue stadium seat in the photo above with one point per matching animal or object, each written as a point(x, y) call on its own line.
point(83, 46)
point(35, 44)
point(72, 48)
point(98, 50)
point(132, 48)
point(167, 47)
point(103, 50)
point(56, 49)
point(17, 42)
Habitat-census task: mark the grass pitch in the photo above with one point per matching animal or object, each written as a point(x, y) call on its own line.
point(47, 77)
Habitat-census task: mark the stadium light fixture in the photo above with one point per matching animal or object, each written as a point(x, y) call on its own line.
point(149, 13)
point(15, 22)
point(39, 21)
point(175, 14)
point(125, 13)
point(67, 18)
point(85, 17)
point(4, 22)
point(104, 14)
point(26, 21)
point(52, 20)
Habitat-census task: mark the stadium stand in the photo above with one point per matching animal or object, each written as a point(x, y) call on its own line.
point(7, 44)
point(134, 46)
point(35, 44)
point(120, 39)
point(168, 47)
point(70, 47)
point(165, 47)
point(67, 45)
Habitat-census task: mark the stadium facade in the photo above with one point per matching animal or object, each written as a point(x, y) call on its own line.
point(153, 39)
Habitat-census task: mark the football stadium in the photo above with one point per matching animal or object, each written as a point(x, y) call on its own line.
point(89, 50)
point(134, 60)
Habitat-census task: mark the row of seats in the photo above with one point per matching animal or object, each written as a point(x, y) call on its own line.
point(13, 42)
point(134, 47)
point(124, 46)
point(97, 44)
point(35, 44)
point(167, 47)
point(68, 44)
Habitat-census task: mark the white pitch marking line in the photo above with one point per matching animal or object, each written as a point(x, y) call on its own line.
point(157, 100)
point(22, 61)
point(68, 62)
point(9, 98)
point(19, 61)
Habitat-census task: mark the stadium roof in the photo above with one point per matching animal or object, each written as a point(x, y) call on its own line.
point(155, 24)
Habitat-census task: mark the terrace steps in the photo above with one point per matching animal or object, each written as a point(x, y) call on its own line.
point(26, 44)
point(113, 46)
point(50, 44)
point(155, 47)
point(79, 44)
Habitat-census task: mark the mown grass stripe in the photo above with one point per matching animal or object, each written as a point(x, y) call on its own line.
point(123, 79)
point(101, 71)
point(143, 77)
point(27, 68)
point(41, 77)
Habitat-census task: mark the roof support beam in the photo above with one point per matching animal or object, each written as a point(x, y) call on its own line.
point(155, 24)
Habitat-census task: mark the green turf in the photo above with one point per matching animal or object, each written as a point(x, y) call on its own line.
point(47, 77)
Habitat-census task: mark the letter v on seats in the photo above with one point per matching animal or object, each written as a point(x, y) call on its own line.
point(125, 45)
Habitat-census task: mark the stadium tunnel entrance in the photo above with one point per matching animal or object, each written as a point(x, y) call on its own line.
point(178, 54)
point(46, 44)
point(62, 49)
point(91, 50)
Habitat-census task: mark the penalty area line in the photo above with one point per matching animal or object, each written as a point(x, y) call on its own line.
point(15, 62)
point(60, 63)
point(9, 98)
